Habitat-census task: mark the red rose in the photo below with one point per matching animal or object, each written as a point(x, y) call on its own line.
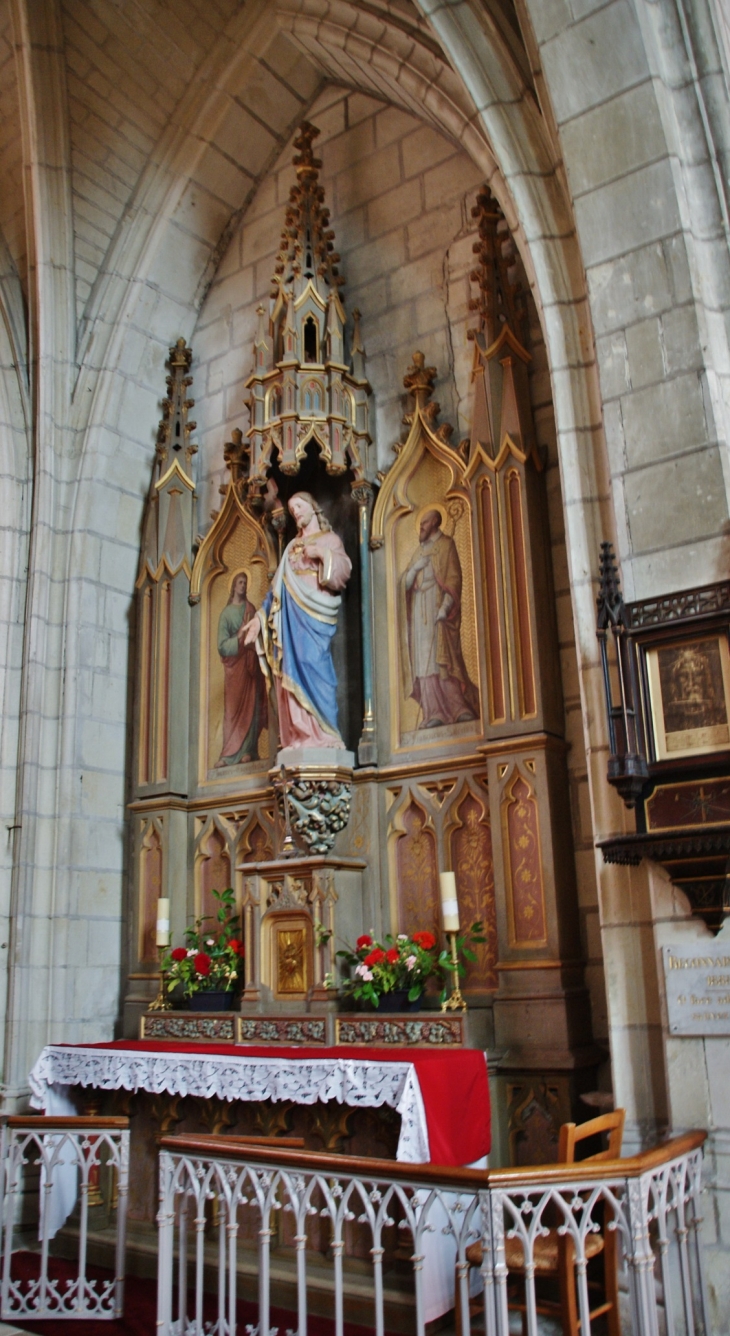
point(375, 957)
point(392, 955)
point(179, 953)
point(425, 940)
point(363, 941)
point(235, 945)
point(202, 963)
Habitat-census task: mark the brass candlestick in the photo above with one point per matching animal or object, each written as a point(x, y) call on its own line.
point(456, 1001)
point(161, 1002)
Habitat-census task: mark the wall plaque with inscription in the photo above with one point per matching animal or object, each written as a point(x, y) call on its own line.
point(697, 983)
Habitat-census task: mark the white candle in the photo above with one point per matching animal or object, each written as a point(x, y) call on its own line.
point(449, 902)
point(163, 921)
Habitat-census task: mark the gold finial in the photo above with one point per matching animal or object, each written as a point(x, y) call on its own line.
point(306, 162)
point(419, 380)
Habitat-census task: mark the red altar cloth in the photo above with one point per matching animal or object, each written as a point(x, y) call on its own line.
point(453, 1083)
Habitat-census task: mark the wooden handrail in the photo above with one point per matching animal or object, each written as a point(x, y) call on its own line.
point(431, 1174)
point(33, 1121)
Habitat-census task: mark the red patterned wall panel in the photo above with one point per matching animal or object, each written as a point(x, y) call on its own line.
point(522, 847)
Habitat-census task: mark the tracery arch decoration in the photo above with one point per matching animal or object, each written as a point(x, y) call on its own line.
point(213, 862)
point(413, 863)
point(151, 856)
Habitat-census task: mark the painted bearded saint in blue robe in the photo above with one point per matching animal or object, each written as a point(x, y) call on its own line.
point(293, 629)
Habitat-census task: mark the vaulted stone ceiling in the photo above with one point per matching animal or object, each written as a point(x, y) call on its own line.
point(212, 88)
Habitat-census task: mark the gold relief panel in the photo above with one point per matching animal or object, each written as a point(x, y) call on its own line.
point(231, 577)
point(523, 865)
point(287, 955)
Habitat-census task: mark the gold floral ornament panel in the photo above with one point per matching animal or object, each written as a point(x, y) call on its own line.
point(523, 856)
point(231, 576)
point(473, 864)
point(419, 906)
point(423, 518)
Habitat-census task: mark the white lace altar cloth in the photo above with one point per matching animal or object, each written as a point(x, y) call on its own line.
point(305, 1080)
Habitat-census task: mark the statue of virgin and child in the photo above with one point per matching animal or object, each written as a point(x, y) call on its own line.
point(293, 629)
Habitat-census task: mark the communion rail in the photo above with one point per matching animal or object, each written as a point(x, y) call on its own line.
point(209, 1186)
point(53, 1170)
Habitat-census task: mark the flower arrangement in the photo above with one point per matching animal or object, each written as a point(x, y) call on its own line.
point(210, 960)
point(404, 963)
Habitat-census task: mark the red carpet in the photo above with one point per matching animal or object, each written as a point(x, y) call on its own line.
point(140, 1308)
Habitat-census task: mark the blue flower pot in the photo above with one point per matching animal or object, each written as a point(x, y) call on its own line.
point(398, 1001)
point(211, 1001)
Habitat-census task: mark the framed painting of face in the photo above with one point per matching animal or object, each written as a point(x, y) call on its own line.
point(689, 689)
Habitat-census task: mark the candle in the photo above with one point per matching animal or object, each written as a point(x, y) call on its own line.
point(449, 902)
point(163, 921)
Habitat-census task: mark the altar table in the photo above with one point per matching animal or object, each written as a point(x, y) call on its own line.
point(442, 1098)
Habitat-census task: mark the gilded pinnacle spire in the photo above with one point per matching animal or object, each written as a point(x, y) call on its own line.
point(306, 249)
point(501, 299)
point(173, 433)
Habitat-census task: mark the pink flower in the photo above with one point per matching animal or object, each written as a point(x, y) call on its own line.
point(411, 962)
point(364, 973)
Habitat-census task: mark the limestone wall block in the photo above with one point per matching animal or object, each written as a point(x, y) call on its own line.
point(613, 139)
point(663, 419)
point(360, 183)
point(676, 502)
point(645, 351)
point(627, 214)
point(637, 285)
point(578, 72)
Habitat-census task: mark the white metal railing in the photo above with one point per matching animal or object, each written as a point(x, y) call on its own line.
point(53, 1170)
point(219, 1199)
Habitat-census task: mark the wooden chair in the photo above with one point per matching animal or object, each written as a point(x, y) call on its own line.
point(554, 1253)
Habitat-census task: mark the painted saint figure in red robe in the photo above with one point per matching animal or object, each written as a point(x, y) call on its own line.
point(245, 707)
